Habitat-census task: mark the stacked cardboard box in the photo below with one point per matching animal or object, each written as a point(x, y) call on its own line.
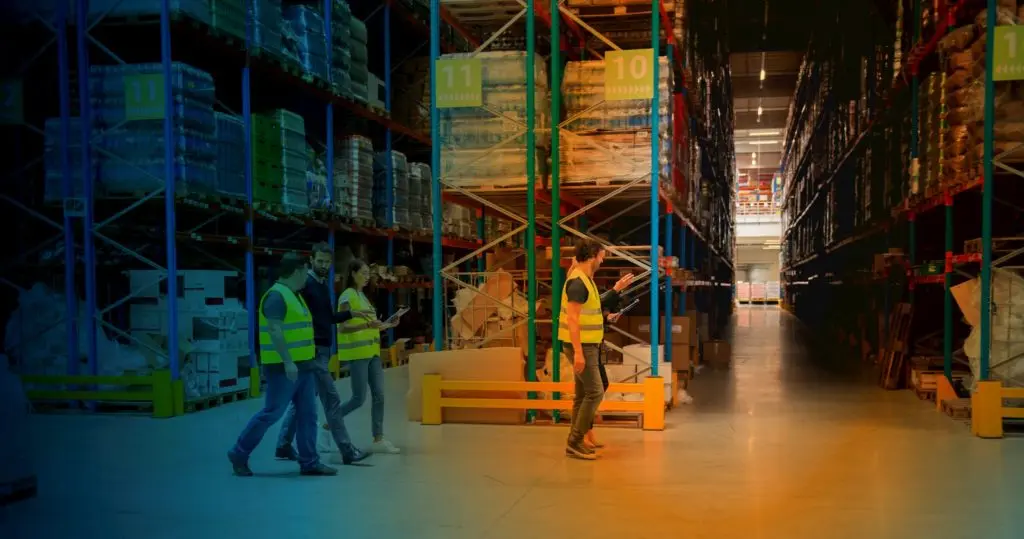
point(280, 160)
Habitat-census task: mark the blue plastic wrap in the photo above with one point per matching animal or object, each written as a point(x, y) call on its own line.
point(229, 16)
point(353, 177)
point(266, 32)
point(230, 155)
point(305, 39)
point(400, 188)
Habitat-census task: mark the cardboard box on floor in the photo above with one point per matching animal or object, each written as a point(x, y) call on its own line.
point(684, 337)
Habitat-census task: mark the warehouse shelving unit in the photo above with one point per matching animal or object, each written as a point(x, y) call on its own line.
point(631, 205)
point(916, 185)
point(115, 231)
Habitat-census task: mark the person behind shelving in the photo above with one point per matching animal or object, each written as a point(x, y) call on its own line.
point(581, 323)
point(317, 294)
point(359, 347)
point(287, 352)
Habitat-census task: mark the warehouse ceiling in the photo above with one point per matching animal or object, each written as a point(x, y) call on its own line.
point(762, 108)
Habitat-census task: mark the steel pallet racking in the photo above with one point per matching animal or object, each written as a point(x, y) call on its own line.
point(187, 219)
point(894, 154)
point(675, 195)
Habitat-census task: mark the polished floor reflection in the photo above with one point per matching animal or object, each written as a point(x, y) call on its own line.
point(791, 443)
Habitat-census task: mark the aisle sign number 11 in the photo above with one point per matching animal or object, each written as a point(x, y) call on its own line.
point(459, 83)
point(144, 97)
point(628, 75)
point(1007, 57)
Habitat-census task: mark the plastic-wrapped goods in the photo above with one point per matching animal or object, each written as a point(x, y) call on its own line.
point(414, 199)
point(399, 192)
point(230, 138)
point(353, 177)
point(266, 32)
point(359, 70)
point(229, 16)
point(420, 172)
point(611, 140)
point(132, 160)
point(341, 58)
point(280, 159)
point(305, 40)
point(470, 135)
point(197, 9)
point(52, 159)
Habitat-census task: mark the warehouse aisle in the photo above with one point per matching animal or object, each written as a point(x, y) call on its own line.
point(785, 445)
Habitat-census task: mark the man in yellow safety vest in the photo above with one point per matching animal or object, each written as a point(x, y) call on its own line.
point(287, 351)
point(581, 324)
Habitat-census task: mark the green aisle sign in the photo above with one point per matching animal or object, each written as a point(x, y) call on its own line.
point(12, 111)
point(1007, 61)
point(459, 83)
point(629, 75)
point(144, 97)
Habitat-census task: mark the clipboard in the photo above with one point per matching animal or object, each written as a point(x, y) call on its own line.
point(394, 319)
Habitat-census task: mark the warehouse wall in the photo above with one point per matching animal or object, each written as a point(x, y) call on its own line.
point(755, 263)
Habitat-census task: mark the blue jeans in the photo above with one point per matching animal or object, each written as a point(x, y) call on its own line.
point(367, 373)
point(281, 391)
point(331, 402)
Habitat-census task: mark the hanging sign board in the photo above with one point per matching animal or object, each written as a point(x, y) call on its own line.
point(629, 75)
point(12, 111)
point(1007, 56)
point(143, 97)
point(459, 83)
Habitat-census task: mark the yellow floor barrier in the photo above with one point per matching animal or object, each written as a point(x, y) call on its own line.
point(166, 395)
point(652, 406)
point(987, 410)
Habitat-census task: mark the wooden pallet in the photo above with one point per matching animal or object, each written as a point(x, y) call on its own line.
point(925, 394)
point(620, 8)
point(213, 401)
point(957, 408)
point(895, 352)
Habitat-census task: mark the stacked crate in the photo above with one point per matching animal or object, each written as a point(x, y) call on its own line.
point(305, 41)
point(341, 57)
point(963, 51)
point(228, 16)
point(353, 178)
point(131, 160)
point(230, 155)
point(623, 128)
point(267, 23)
point(359, 70)
point(280, 160)
point(469, 135)
point(399, 204)
point(420, 173)
point(930, 123)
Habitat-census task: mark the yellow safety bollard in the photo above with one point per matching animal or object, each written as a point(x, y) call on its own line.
point(163, 396)
point(431, 399)
point(654, 403)
point(987, 410)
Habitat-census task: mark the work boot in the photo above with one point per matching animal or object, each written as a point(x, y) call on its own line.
point(239, 467)
point(352, 455)
point(319, 469)
point(286, 452)
point(576, 449)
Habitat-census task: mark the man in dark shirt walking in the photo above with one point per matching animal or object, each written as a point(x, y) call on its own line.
point(317, 294)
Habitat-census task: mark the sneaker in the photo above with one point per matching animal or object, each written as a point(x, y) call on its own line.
point(384, 446)
point(593, 445)
point(353, 455)
point(319, 469)
point(239, 467)
point(286, 452)
point(579, 451)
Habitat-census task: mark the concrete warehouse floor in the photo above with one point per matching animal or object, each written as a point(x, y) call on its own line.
point(783, 446)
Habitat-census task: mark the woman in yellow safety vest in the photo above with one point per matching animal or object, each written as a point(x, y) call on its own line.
point(359, 347)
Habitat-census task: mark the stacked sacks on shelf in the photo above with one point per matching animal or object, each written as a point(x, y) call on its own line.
point(341, 57)
point(420, 173)
point(230, 137)
point(280, 160)
point(305, 40)
point(610, 140)
point(399, 206)
point(131, 145)
point(415, 196)
point(353, 178)
point(267, 23)
point(359, 70)
point(469, 135)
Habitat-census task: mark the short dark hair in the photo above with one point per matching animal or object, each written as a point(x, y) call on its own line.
point(587, 250)
point(290, 263)
point(322, 248)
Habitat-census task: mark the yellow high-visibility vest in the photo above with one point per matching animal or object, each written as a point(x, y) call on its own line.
point(591, 317)
point(297, 326)
point(356, 339)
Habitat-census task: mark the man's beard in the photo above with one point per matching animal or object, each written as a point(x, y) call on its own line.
point(322, 273)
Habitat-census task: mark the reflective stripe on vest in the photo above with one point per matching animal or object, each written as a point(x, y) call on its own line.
point(356, 339)
point(591, 318)
point(297, 327)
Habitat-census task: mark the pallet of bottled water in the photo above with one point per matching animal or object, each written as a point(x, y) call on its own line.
point(353, 177)
point(230, 156)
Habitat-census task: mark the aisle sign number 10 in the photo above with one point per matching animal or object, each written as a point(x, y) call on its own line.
point(628, 75)
point(1007, 60)
point(459, 83)
point(144, 97)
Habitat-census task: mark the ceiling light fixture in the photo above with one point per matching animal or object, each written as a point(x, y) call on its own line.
point(762, 142)
point(764, 133)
